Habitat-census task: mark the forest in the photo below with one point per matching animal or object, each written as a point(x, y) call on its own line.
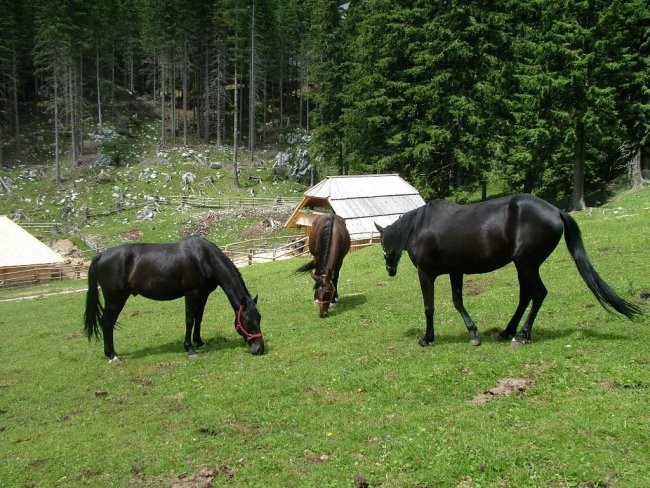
point(545, 96)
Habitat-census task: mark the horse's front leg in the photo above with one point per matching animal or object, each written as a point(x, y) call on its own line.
point(335, 282)
point(457, 297)
point(189, 324)
point(198, 319)
point(427, 285)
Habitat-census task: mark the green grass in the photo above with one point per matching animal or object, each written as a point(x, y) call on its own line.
point(351, 395)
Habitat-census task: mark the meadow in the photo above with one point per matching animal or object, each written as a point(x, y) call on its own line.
point(351, 400)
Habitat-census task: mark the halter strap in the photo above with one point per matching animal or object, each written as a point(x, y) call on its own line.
point(239, 327)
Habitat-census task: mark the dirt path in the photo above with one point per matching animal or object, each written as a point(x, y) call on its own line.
point(42, 295)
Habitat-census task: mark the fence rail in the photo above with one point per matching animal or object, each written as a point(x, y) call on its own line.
point(28, 275)
point(198, 201)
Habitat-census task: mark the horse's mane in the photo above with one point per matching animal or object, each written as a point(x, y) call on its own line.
point(326, 240)
point(401, 229)
point(225, 260)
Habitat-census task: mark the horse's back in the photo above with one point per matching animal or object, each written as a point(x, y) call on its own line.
point(159, 271)
point(484, 236)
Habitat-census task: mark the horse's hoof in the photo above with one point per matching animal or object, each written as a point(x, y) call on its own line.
point(475, 342)
point(424, 342)
point(519, 342)
point(501, 337)
point(192, 355)
point(114, 360)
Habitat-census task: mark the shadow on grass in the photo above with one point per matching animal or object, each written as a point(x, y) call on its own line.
point(346, 304)
point(212, 344)
point(492, 335)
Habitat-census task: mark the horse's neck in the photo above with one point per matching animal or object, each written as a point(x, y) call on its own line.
point(230, 281)
point(234, 288)
point(401, 234)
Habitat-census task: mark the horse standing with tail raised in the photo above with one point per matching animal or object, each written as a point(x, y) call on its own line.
point(191, 268)
point(329, 242)
point(446, 238)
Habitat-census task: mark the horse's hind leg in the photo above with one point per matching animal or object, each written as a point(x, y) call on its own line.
point(531, 288)
point(112, 309)
point(511, 329)
point(457, 296)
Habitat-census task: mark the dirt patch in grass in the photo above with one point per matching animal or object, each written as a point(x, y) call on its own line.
point(644, 295)
point(204, 478)
point(505, 387)
point(475, 287)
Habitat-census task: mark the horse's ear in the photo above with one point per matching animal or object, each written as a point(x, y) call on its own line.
point(315, 278)
point(255, 299)
point(379, 228)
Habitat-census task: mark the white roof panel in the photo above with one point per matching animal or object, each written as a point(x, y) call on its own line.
point(362, 186)
point(19, 248)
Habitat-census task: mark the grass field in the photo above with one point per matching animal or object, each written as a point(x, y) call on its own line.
point(347, 400)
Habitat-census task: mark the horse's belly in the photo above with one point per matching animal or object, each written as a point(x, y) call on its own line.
point(159, 295)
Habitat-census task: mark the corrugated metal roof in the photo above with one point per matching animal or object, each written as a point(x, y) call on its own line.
point(19, 248)
point(361, 186)
point(363, 200)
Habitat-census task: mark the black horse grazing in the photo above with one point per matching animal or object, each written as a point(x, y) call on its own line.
point(446, 238)
point(329, 242)
point(191, 268)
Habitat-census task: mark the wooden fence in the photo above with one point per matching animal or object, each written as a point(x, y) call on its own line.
point(13, 276)
point(197, 201)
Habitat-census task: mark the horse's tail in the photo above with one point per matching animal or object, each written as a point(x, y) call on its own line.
point(607, 297)
point(307, 267)
point(94, 310)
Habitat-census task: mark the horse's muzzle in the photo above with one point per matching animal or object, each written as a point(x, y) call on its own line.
point(257, 347)
point(391, 271)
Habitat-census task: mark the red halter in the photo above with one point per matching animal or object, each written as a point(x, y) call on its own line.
point(240, 328)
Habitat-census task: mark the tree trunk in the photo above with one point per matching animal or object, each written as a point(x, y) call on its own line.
point(578, 196)
point(264, 107)
point(99, 92)
point(184, 67)
point(221, 98)
point(635, 169)
point(281, 96)
point(162, 103)
point(173, 97)
point(251, 93)
point(235, 136)
point(71, 113)
point(14, 77)
point(57, 163)
point(206, 97)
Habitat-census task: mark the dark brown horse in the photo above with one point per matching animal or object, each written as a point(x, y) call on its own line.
point(329, 242)
point(446, 238)
point(191, 268)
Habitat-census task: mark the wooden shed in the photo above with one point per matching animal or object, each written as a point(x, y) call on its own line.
point(23, 258)
point(361, 200)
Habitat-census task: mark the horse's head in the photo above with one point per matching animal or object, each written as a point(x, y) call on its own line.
point(247, 324)
point(323, 293)
point(392, 252)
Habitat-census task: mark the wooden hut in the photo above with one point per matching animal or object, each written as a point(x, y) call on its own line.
point(23, 258)
point(361, 200)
